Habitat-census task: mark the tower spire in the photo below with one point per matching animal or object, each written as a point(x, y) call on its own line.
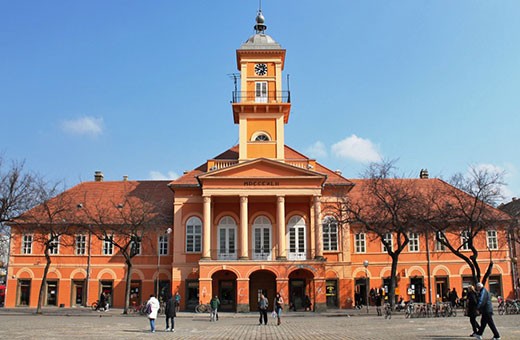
point(260, 26)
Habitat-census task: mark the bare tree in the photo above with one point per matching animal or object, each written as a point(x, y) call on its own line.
point(126, 220)
point(16, 195)
point(464, 210)
point(383, 203)
point(48, 221)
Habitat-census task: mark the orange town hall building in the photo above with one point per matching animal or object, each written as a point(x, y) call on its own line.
point(249, 220)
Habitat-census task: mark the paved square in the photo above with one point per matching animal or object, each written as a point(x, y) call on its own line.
point(114, 325)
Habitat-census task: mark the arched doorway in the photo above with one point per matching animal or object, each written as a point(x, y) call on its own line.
point(301, 287)
point(261, 282)
point(224, 285)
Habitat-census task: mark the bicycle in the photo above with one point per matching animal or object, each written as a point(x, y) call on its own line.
point(203, 308)
point(409, 310)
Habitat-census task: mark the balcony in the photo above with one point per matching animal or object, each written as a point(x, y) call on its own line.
point(274, 97)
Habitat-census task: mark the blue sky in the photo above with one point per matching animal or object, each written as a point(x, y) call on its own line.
point(141, 88)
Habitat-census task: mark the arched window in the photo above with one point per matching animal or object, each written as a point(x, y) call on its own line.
point(330, 233)
point(194, 235)
point(297, 238)
point(262, 239)
point(227, 231)
point(260, 136)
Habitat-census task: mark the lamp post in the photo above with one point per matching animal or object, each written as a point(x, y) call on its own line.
point(167, 232)
point(365, 263)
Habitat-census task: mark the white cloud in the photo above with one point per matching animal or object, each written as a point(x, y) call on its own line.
point(357, 149)
point(317, 150)
point(156, 175)
point(89, 126)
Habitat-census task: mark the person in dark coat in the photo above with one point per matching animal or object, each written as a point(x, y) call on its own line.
point(486, 310)
point(170, 311)
point(454, 297)
point(471, 309)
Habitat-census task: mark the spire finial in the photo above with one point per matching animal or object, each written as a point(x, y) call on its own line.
point(260, 26)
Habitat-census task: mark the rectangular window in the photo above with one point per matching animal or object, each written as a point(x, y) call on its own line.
point(163, 245)
point(80, 244)
point(413, 245)
point(464, 237)
point(261, 92)
point(108, 247)
point(389, 239)
point(27, 244)
point(360, 243)
point(135, 246)
point(54, 245)
point(439, 246)
point(330, 235)
point(492, 241)
point(193, 238)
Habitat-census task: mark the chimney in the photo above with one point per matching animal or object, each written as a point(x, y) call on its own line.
point(125, 178)
point(338, 172)
point(98, 176)
point(424, 174)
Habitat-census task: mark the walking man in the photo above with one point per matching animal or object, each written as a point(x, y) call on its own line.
point(214, 304)
point(486, 310)
point(263, 303)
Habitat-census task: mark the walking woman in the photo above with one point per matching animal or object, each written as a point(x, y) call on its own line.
point(152, 308)
point(262, 308)
point(278, 306)
point(471, 309)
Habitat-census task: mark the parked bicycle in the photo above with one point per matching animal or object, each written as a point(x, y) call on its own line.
point(203, 308)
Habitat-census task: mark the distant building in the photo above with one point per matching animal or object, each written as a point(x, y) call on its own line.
point(251, 220)
point(513, 209)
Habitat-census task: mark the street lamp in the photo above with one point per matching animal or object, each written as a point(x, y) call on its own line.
point(365, 263)
point(167, 232)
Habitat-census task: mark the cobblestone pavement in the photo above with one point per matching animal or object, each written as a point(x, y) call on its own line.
point(114, 325)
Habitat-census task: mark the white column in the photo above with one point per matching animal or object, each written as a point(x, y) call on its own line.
point(318, 227)
point(280, 216)
point(244, 234)
point(206, 233)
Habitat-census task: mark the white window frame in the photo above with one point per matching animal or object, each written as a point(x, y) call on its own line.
point(492, 239)
point(56, 243)
point(297, 238)
point(227, 239)
point(413, 244)
point(80, 242)
point(194, 236)
point(164, 244)
point(108, 246)
point(137, 246)
point(261, 89)
point(262, 245)
point(360, 240)
point(389, 237)
point(438, 245)
point(27, 241)
point(330, 233)
point(464, 236)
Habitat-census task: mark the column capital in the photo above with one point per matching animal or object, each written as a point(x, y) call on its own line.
point(243, 199)
point(206, 199)
point(280, 198)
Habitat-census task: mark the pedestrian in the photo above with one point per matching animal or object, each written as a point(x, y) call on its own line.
point(471, 309)
point(486, 310)
point(214, 304)
point(307, 303)
point(453, 297)
point(152, 308)
point(177, 301)
point(378, 303)
point(263, 303)
point(107, 301)
point(170, 311)
point(102, 302)
point(278, 307)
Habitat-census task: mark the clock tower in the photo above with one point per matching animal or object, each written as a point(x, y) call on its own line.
point(261, 108)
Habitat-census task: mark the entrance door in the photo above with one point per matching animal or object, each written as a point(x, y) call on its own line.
point(77, 293)
point(418, 290)
point(441, 288)
point(52, 293)
point(227, 293)
point(192, 294)
point(297, 292)
point(331, 288)
point(135, 293)
point(24, 292)
point(107, 287)
point(361, 291)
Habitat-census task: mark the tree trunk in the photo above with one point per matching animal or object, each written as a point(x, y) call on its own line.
point(128, 284)
point(44, 282)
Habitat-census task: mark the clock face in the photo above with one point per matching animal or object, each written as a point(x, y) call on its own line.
point(261, 69)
